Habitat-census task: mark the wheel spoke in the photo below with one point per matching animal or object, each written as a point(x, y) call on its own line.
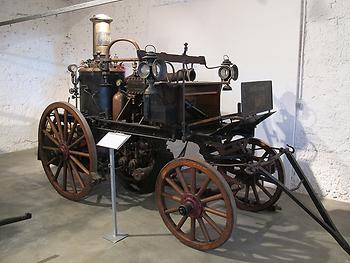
point(65, 125)
point(76, 142)
point(83, 154)
point(71, 133)
point(212, 223)
point(264, 155)
point(204, 229)
point(181, 222)
point(52, 126)
point(70, 172)
point(48, 135)
point(255, 193)
point(246, 195)
point(64, 176)
point(59, 125)
point(203, 187)
point(75, 170)
point(59, 167)
point(172, 197)
point(52, 160)
point(193, 229)
point(265, 179)
point(171, 210)
point(80, 165)
point(174, 186)
point(264, 189)
point(193, 180)
point(253, 149)
point(212, 198)
point(215, 212)
point(50, 148)
point(182, 179)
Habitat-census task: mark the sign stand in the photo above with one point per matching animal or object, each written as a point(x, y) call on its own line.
point(113, 141)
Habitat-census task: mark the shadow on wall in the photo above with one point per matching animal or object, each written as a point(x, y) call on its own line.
point(302, 142)
point(281, 133)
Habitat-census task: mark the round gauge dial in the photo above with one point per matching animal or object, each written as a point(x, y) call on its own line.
point(119, 82)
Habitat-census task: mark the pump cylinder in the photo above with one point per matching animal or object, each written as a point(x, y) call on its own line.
point(101, 34)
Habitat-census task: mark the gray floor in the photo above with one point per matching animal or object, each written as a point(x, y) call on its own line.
point(65, 231)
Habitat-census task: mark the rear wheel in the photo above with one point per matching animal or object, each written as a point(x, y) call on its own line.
point(258, 192)
point(253, 191)
point(67, 150)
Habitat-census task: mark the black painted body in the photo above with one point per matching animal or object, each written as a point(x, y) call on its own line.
point(96, 94)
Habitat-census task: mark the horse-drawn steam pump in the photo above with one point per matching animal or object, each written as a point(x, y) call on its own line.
point(160, 101)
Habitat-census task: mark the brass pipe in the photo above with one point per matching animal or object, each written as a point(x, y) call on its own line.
point(124, 59)
point(137, 47)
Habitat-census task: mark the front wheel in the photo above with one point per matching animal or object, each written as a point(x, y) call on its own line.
point(195, 203)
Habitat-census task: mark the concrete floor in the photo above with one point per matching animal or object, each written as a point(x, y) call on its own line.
point(66, 231)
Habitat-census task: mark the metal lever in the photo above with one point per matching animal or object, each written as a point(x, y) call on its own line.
point(325, 221)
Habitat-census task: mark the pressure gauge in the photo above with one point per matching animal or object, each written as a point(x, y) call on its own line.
point(119, 82)
point(144, 70)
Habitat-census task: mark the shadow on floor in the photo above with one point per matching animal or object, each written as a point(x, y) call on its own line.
point(287, 236)
point(101, 196)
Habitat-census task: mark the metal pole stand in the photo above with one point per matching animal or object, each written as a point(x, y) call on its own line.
point(115, 236)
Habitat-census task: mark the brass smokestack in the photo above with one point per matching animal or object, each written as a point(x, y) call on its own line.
point(101, 33)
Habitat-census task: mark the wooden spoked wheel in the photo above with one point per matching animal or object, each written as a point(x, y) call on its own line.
point(256, 192)
point(195, 203)
point(67, 150)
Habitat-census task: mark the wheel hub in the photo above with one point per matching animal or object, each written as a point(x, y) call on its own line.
point(64, 150)
point(191, 206)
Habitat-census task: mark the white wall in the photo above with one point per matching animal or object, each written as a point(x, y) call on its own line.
point(323, 127)
point(32, 70)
